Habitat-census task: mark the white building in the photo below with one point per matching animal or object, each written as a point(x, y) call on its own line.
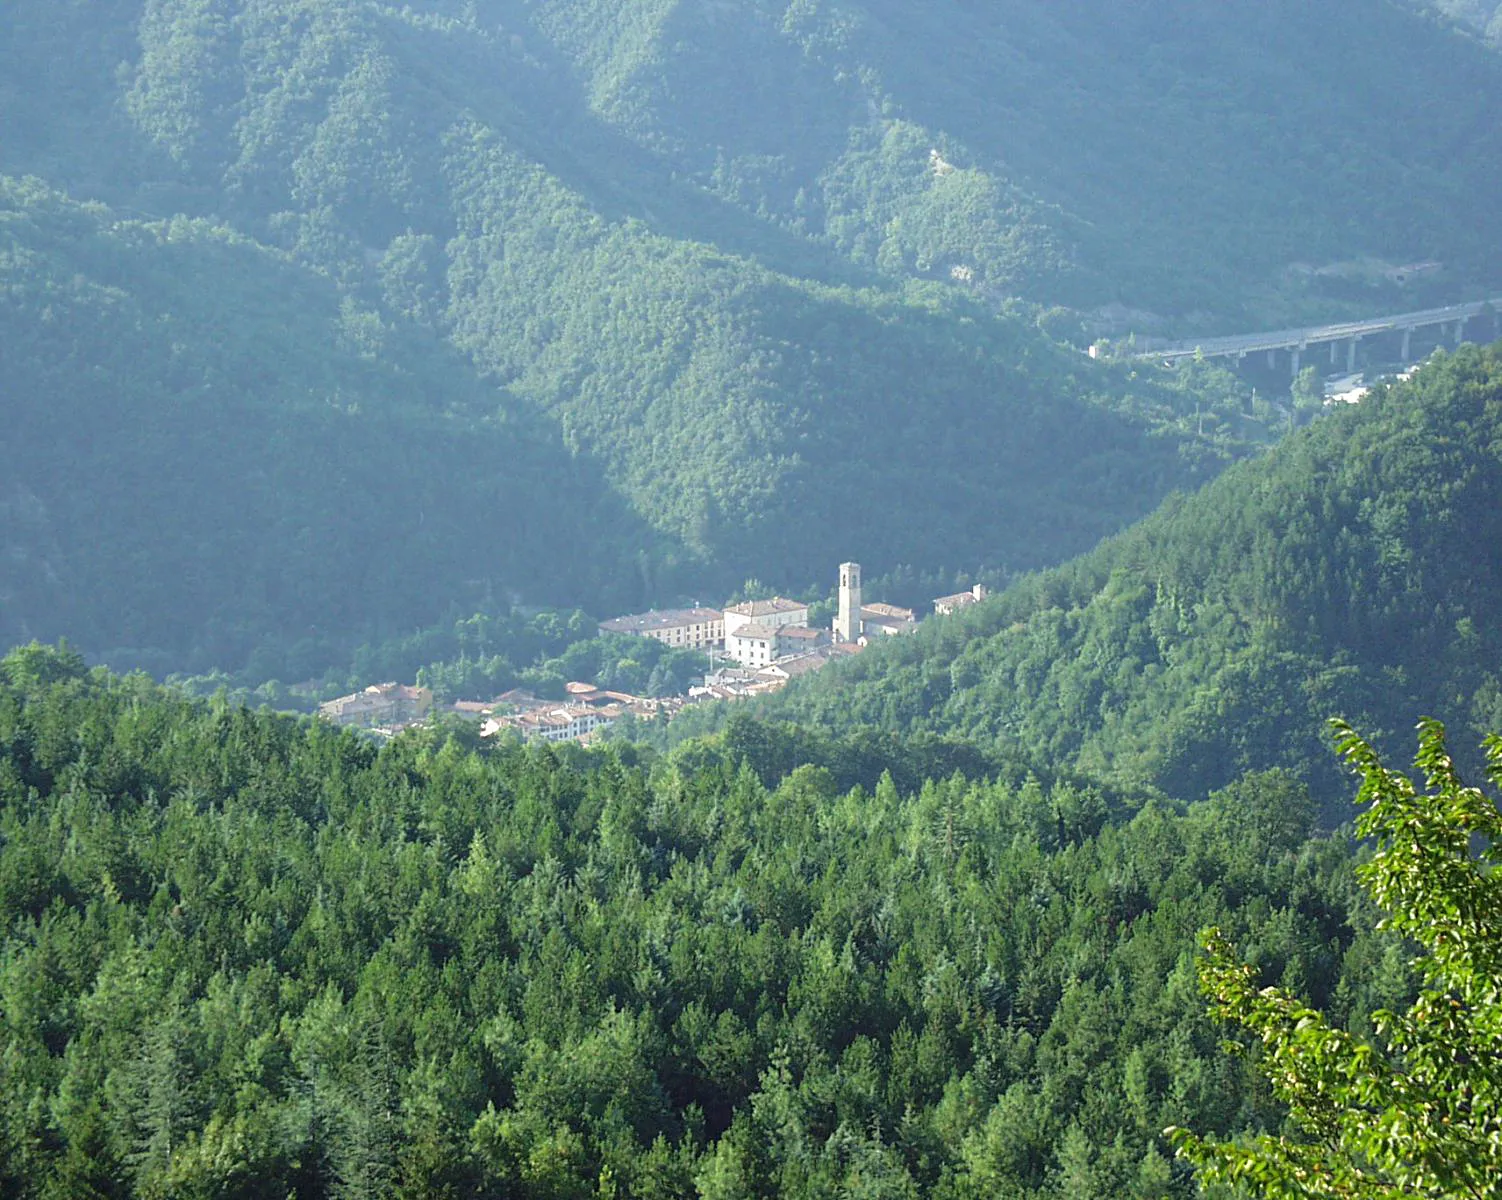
point(945, 605)
point(567, 723)
point(878, 620)
point(847, 622)
point(856, 622)
point(773, 613)
point(681, 628)
point(752, 644)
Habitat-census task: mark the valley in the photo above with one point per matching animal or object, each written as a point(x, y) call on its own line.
point(700, 600)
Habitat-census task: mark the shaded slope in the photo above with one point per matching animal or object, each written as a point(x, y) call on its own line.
point(1354, 570)
point(207, 448)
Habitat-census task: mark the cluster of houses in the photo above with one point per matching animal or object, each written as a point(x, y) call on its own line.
point(388, 708)
point(760, 632)
point(587, 710)
point(772, 641)
point(765, 643)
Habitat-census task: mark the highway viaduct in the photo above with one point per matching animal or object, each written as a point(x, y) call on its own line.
point(1297, 342)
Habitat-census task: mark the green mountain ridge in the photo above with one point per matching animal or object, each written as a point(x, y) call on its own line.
point(1351, 571)
point(735, 267)
point(1086, 154)
point(636, 493)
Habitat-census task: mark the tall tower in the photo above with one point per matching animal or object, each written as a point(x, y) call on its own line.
point(847, 626)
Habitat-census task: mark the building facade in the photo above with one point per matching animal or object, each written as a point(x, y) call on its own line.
point(681, 628)
point(881, 620)
point(381, 704)
point(566, 723)
point(752, 644)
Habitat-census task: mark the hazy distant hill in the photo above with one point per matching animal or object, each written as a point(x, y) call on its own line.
point(1171, 156)
point(734, 267)
point(210, 445)
point(1355, 570)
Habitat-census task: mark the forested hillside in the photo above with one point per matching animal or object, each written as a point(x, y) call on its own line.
point(350, 339)
point(1355, 570)
point(206, 447)
point(214, 447)
point(246, 955)
point(731, 273)
point(1069, 153)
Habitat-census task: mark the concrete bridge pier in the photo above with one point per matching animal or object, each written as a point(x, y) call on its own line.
point(1272, 359)
point(1407, 341)
point(1459, 330)
point(1351, 355)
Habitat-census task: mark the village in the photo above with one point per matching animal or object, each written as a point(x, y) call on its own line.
point(755, 648)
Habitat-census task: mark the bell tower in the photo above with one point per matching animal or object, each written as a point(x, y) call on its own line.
point(847, 626)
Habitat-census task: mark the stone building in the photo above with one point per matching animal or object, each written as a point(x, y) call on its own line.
point(757, 644)
point(847, 621)
point(880, 620)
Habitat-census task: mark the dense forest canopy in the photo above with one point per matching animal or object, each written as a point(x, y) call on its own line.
point(1352, 570)
point(249, 955)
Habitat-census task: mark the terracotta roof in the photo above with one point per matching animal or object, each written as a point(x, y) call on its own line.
point(974, 596)
point(802, 664)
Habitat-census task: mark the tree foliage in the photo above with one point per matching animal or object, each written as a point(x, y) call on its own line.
point(1416, 1108)
point(242, 954)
